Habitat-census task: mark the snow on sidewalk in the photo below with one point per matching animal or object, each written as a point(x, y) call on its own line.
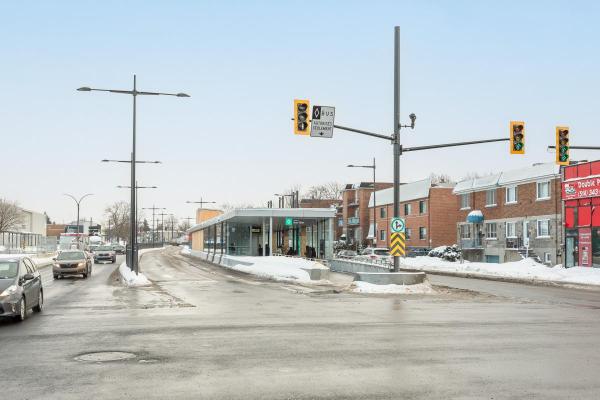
point(366, 287)
point(276, 267)
point(526, 269)
point(129, 278)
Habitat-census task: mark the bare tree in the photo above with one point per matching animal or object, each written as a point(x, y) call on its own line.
point(117, 216)
point(230, 206)
point(328, 191)
point(11, 215)
point(335, 190)
point(184, 225)
point(440, 178)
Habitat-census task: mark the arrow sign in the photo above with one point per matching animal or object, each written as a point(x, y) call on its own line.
point(397, 225)
point(321, 124)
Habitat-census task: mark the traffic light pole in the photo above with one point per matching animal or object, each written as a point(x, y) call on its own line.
point(579, 147)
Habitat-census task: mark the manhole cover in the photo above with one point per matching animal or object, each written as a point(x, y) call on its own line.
point(104, 356)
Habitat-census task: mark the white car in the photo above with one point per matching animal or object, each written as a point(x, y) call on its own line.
point(375, 254)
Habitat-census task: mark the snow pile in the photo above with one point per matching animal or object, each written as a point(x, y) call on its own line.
point(450, 253)
point(525, 269)
point(130, 279)
point(186, 251)
point(366, 287)
point(277, 268)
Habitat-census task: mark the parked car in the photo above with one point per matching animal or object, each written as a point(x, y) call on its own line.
point(378, 254)
point(105, 253)
point(417, 251)
point(20, 287)
point(118, 248)
point(346, 254)
point(72, 262)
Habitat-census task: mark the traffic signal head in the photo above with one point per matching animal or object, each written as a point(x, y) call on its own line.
point(517, 137)
point(562, 145)
point(301, 122)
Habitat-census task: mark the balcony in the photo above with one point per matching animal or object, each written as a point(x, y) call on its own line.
point(353, 221)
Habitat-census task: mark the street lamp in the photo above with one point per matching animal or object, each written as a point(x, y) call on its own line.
point(373, 167)
point(78, 202)
point(134, 93)
point(293, 195)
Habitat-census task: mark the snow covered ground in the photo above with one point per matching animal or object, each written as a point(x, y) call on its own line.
point(129, 278)
point(365, 287)
point(526, 269)
point(186, 251)
point(277, 268)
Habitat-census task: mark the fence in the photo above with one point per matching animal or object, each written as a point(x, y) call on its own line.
point(29, 243)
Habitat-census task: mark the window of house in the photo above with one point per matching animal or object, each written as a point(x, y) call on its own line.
point(422, 207)
point(490, 230)
point(490, 198)
point(511, 194)
point(422, 232)
point(511, 229)
point(465, 201)
point(543, 228)
point(382, 235)
point(407, 209)
point(382, 212)
point(465, 231)
point(543, 190)
point(408, 233)
point(356, 213)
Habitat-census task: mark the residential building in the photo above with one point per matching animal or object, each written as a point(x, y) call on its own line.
point(510, 215)
point(328, 203)
point(355, 211)
point(428, 211)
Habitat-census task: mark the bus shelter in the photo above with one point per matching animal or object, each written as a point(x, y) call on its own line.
point(302, 232)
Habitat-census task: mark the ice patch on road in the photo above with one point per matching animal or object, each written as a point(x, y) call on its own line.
point(366, 287)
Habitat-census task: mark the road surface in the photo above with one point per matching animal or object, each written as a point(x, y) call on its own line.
point(202, 332)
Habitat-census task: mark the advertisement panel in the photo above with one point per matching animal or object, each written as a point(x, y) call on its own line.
point(581, 188)
point(585, 247)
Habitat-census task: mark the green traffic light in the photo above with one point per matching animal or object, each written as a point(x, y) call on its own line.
point(564, 149)
point(518, 146)
point(564, 157)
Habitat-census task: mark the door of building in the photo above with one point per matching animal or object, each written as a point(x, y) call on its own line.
point(572, 256)
point(526, 233)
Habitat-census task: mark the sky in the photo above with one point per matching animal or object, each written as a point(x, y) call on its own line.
point(467, 69)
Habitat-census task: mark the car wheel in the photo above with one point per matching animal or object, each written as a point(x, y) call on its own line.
point(55, 276)
point(40, 305)
point(22, 310)
point(85, 275)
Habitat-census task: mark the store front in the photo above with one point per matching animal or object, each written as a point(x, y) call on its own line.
point(581, 198)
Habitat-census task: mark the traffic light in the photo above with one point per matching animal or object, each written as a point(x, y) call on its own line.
point(301, 123)
point(517, 137)
point(562, 145)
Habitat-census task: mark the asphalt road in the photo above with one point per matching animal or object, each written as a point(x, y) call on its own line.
point(202, 332)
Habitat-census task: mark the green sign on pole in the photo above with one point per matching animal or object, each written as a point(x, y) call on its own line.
point(289, 222)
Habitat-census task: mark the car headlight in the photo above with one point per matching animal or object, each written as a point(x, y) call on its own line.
point(81, 264)
point(12, 289)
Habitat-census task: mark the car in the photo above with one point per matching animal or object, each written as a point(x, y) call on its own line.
point(346, 254)
point(20, 287)
point(118, 248)
point(72, 262)
point(375, 254)
point(105, 253)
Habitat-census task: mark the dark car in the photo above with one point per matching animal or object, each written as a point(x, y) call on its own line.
point(20, 287)
point(72, 262)
point(119, 249)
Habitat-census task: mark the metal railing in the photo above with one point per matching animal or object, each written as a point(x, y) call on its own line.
point(514, 243)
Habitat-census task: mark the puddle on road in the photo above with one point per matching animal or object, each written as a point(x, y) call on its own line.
point(105, 356)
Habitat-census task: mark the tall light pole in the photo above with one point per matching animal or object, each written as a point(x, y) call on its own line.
point(373, 167)
point(134, 93)
point(78, 202)
point(202, 202)
point(153, 208)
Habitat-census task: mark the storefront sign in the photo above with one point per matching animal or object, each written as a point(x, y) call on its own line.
point(585, 247)
point(581, 188)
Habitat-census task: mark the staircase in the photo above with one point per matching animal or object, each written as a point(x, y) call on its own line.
point(524, 253)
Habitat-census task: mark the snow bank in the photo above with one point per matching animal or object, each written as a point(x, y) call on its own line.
point(186, 251)
point(526, 269)
point(130, 279)
point(277, 268)
point(365, 287)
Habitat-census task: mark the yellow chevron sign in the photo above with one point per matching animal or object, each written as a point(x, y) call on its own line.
point(397, 244)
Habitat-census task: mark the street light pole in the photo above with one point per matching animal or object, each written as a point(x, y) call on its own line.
point(78, 202)
point(396, 139)
point(132, 219)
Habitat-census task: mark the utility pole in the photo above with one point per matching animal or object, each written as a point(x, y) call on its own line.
point(162, 227)
point(153, 208)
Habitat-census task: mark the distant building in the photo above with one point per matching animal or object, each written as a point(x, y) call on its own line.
point(55, 229)
point(328, 203)
point(32, 222)
point(355, 211)
point(428, 210)
point(507, 216)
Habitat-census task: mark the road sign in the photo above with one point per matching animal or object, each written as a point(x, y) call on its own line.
point(397, 225)
point(397, 244)
point(289, 222)
point(321, 123)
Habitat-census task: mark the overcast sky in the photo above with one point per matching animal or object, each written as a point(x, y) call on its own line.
point(468, 68)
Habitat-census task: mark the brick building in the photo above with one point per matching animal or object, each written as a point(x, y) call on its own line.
point(428, 210)
point(328, 203)
point(507, 216)
point(355, 211)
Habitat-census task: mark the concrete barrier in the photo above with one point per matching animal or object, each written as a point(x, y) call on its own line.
point(391, 278)
point(348, 266)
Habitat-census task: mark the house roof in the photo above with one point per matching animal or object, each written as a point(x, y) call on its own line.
point(511, 177)
point(408, 191)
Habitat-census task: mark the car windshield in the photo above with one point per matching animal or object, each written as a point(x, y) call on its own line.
point(104, 248)
point(8, 269)
point(381, 252)
point(70, 255)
